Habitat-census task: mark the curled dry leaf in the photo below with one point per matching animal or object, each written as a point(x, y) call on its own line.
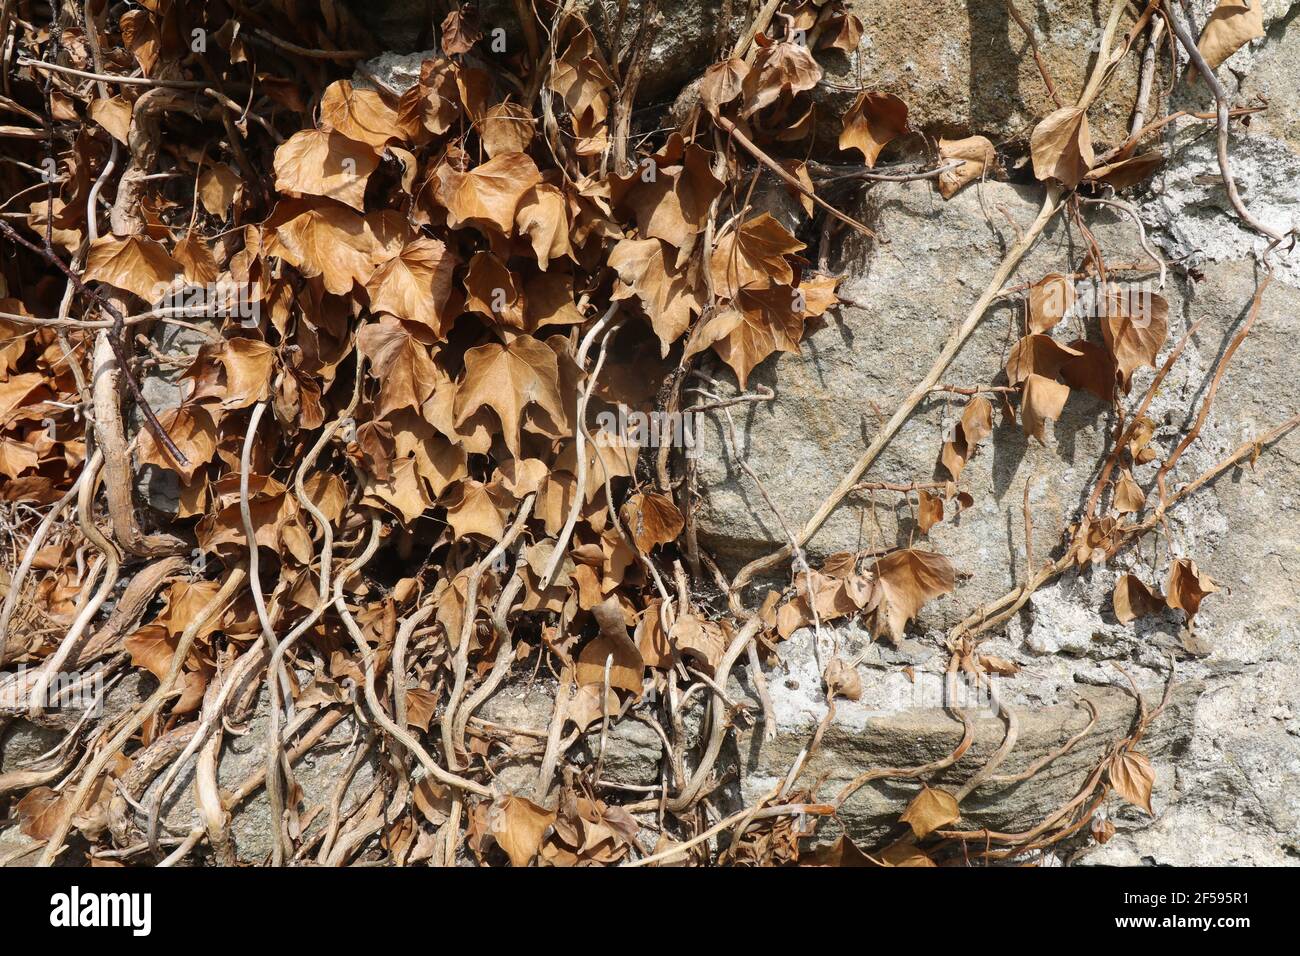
point(1187, 587)
point(1050, 299)
point(1061, 146)
point(978, 156)
point(908, 579)
point(1135, 327)
point(1132, 776)
point(1133, 599)
point(842, 679)
point(1041, 400)
point(1231, 25)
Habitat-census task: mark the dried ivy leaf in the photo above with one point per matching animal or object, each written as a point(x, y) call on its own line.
point(519, 825)
point(930, 810)
point(507, 379)
point(843, 680)
point(908, 579)
point(722, 83)
point(1135, 328)
point(1231, 25)
point(1133, 599)
point(137, 264)
point(316, 162)
point(1129, 498)
point(487, 195)
point(872, 122)
point(1132, 776)
point(1061, 146)
point(652, 519)
point(1050, 300)
point(1043, 398)
point(978, 156)
point(1187, 587)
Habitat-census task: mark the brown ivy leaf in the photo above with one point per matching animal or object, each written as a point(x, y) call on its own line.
point(487, 196)
point(613, 644)
point(460, 31)
point(477, 508)
point(543, 217)
point(333, 242)
point(518, 825)
point(1128, 172)
point(929, 510)
point(1061, 146)
point(415, 285)
point(506, 128)
point(193, 431)
point(248, 364)
point(316, 162)
point(779, 68)
point(976, 425)
point(753, 256)
point(757, 324)
point(908, 579)
point(1132, 777)
point(1050, 299)
point(507, 379)
point(360, 115)
point(421, 705)
point(842, 680)
point(219, 187)
point(1187, 587)
point(1135, 328)
point(666, 294)
point(114, 115)
point(977, 155)
point(1038, 355)
point(872, 122)
point(1043, 398)
point(1129, 498)
point(930, 810)
point(401, 362)
point(722, 83)
point(1231, 25)
point(137, 264)
point(1133, 599)
point(652, 519)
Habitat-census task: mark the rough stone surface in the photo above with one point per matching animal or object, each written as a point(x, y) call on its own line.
point(899, 722)
point(1239, 770)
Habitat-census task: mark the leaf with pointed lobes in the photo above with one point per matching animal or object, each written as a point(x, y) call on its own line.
point(316, 162)
point(1043, 398)
point(872, 123)
point(507, 379)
